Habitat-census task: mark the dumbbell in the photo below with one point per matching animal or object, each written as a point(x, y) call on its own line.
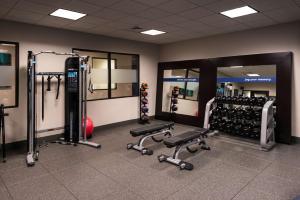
point(144, 101)
point(174, 108)
point(144, 86)
point(174, 94)
point(144, 93)
point(218, 99)
point(176, 88)
point(174, 100)
point(144, 109)
point(145, 118)
point(229, 99)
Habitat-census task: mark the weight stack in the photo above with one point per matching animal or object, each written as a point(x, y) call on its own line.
point(144, 109)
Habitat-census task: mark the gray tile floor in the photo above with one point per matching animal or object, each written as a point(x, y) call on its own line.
point(228, 171)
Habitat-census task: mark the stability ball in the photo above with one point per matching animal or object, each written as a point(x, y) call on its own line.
point(89, 127)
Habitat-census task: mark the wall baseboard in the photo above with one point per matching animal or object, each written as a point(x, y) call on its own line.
point(295, 140)
point(21, 146)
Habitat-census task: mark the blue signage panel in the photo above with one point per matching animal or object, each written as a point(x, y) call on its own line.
point(260, 79)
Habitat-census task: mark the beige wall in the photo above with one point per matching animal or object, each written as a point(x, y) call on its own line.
point(37, 38)
point(279, 38)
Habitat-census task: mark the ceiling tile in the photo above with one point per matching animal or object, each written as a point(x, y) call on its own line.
point(118, 25)
point(202, 2)
point(267, 5)
point(195, 26)
point(93, 20)
point(110, 14)
point(32, 6)
point(223, 5)
point(53, 21)
point(284, 14)
point(130, 7)
point(152, 2)
point(154, 24)
point(55, 3)
point(23, 16)
point(256, 20)
point(132, 20)
point(104, 3)
point(176, 6)
point(173, 19)
point(153, 13)
point(218, 20)
point(4, 10)
point(196, 13)
point(83, 7)
point(80, 25)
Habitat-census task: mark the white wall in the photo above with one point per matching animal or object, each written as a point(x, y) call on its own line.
point(37, 38)
point(279, 38)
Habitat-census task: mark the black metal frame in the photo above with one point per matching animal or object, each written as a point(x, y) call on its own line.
point(207, 86)
point(135, 87)
point(16, 73)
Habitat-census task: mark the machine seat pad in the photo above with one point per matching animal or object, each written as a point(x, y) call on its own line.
point(150, 129)
point(184, 137)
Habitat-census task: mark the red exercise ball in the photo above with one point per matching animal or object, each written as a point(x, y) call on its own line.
point(89, 127)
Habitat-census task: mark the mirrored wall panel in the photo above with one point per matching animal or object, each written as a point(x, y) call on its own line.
point(9, 69)
point(188, 82)
point(247, 81)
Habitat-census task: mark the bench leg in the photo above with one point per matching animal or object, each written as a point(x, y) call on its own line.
point(174, 159)
point(139, 146)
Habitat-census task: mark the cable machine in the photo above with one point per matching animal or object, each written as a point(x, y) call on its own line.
point(75, 101)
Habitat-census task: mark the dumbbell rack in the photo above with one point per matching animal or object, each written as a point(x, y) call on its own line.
point(174, 102)
point(144, 118)
point(267, 124)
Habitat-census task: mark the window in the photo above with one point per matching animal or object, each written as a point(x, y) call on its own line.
point(111, 75)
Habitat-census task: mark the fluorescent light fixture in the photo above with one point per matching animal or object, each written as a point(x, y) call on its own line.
point(153, 32)
point(238, 12)
point(236, 67)
point(67, 14)
point(253, 75)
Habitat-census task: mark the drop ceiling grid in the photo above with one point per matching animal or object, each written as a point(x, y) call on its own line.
point(181, 19)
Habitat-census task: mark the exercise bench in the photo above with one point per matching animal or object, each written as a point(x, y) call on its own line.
point(184, 140)
point(147, 132)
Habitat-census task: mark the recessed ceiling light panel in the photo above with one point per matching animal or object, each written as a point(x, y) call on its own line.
point(67, 14)
point(153, 32)
point(253, 75)
point(238, 12)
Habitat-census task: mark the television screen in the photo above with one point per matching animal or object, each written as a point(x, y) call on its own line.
point(5, 59)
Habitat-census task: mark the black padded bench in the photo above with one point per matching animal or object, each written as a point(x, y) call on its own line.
point(184, 140)
point(150, 131)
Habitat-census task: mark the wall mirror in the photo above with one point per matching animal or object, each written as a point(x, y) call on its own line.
point(247, 81)
point(188, 82)
point(9, 74)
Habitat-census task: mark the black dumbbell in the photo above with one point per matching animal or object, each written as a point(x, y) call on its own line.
point(145, 118)
point(174, 100)
point(174, 108)
point(144, 86)
point(144, 93)
point(144, 101)
point(144, 109)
